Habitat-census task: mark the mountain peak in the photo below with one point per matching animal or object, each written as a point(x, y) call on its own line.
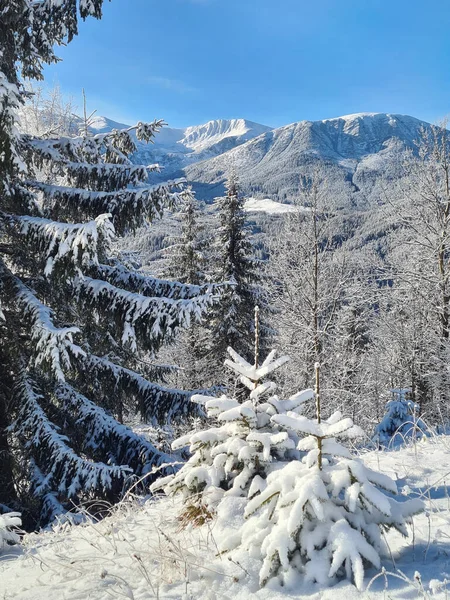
point(199, 137)
point(355, 116)
point(100, 124)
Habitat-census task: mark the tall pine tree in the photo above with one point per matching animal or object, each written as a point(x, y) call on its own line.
point(187, 263)
point(77, 328)
point(233, 260)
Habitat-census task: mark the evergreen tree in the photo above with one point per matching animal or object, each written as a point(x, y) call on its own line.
point(400, 421)
point(234, 456)
point(186, 252)
point(233, 319)
point(75, 323)
point(187, 264)
point(323, 515)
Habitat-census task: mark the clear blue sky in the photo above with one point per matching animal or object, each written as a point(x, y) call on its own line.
point(270, 61)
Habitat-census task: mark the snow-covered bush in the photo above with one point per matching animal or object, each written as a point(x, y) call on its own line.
point(400, 421)
point(8, 524)
point(233, 457)
point(323, 515)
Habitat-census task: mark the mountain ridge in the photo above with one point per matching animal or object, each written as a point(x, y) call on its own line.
point(357, 149)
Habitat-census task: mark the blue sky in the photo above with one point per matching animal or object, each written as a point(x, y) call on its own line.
point(270, 61)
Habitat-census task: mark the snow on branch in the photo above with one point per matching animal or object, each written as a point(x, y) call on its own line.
point(129, 208)
point(251, 374)
point(62, 468)
point(158, 404)
point(324, 430)
point(123, 140)
point(105, 436)
point(107, 177)
point(84, 167)
point(113, 147)
point(76, 242)
point(150, 286)
point(136, 316)
point(9, 525)
point(53, 346)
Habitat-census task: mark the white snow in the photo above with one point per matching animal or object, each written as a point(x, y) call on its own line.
point(353, 116)
point(9, 523)
point(268, 206)
point(201, 137)
point(100, 124)
point(140, 552)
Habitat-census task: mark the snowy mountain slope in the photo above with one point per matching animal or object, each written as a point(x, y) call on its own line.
point(101, 124)
point(173, 149)
point(202, 137)
point(265, 205)
point(357, 149)
point(360, 153)
point(140, 551)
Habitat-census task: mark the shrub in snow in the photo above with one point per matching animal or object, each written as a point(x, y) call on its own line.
point(8, 523)
point(322, 515)
point(234, 457)
point(400, 421)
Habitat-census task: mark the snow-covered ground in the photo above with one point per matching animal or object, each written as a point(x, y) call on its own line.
point(268, 206)
point(141, 552)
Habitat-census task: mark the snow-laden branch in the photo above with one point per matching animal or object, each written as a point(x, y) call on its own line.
point(76, 242)
point(105, 436)
point(158, 405)
point(115, 145)
point(149, 318)
point(130, 207)
point(63, 469)
point(53, 346)
point(105, 176)
point(151, 286)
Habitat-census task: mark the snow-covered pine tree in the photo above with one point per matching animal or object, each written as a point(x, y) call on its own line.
point(185, 253)
point(400, 421)
point(233, 261)
point(77, 328)
point(322, 516)
point(234, 456)
point(187, 264)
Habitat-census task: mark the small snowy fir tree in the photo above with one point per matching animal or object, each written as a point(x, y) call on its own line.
point(324, 515)
point(400, 421)
point(78, 330)
point(9, 523)
point(233, 457)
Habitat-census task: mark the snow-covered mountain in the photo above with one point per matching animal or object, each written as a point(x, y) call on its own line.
point(358, 150)
point(174, 149)
point(100, 124)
